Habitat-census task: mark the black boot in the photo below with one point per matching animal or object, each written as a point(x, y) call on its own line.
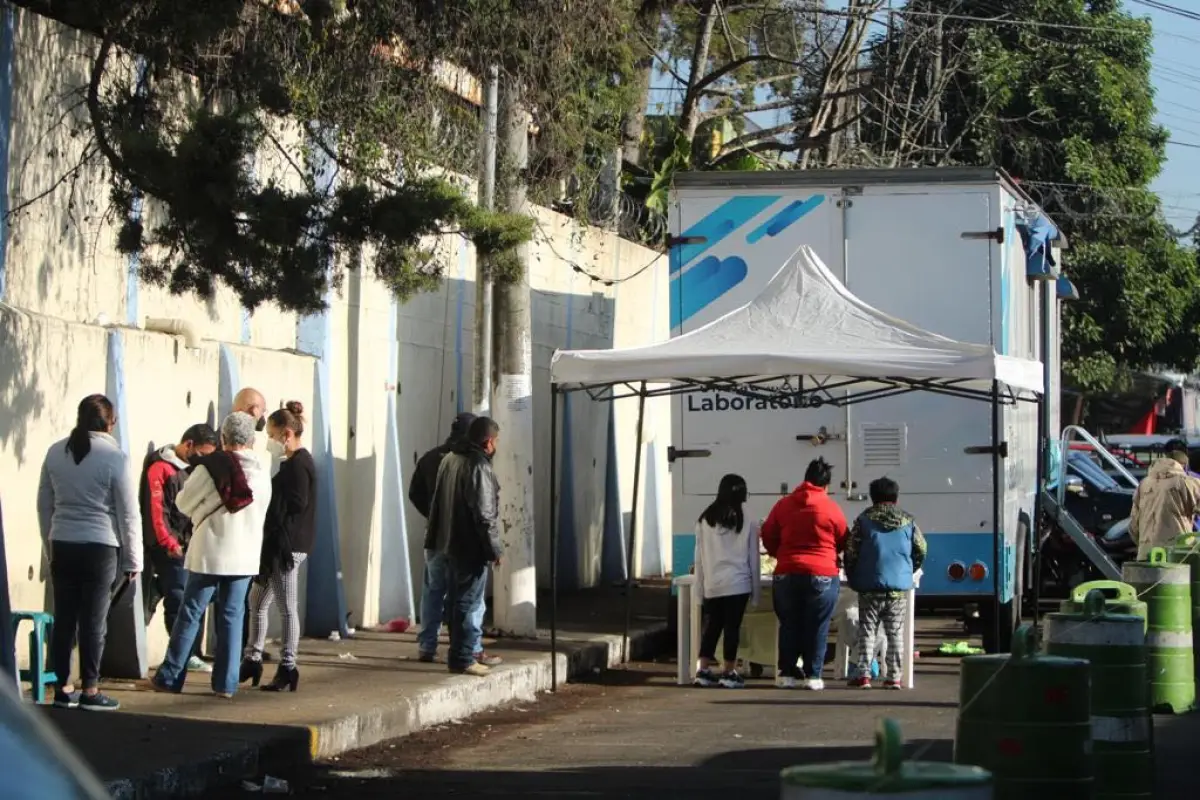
point(251, 671)
point(285, 678)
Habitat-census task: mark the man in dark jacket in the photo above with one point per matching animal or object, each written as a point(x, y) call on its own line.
point(464, 526)
point(165, 530)
point(433, 593)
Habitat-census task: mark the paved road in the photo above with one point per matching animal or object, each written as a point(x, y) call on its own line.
point(638, 736)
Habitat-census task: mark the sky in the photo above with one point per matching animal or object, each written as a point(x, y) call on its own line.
point(1176, 77)
point(1176, 74)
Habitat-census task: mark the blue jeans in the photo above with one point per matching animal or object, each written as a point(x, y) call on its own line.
point(804, 605)
point(466, 592)
point(433, 601)
point(169, 579)
point(230, 592)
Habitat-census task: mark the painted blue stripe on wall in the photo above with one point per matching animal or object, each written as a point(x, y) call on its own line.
point(568, 552)
point(228, 383)
point(718, 225)
point(6, 91)
point(325, 596)
point(398, 597)
point(612, 556)
point(133, 271)
point(792, 213)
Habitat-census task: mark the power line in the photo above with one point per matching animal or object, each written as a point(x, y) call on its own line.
point(1169, 9)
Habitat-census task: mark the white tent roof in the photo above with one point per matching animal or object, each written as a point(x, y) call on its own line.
point(806, 323)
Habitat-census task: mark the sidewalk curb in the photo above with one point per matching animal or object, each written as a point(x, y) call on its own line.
point(454, 698)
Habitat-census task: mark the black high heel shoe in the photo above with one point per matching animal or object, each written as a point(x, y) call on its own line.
point(285, 678)
point(251, 671)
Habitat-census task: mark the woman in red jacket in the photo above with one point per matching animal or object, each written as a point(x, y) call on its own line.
point(804, 533)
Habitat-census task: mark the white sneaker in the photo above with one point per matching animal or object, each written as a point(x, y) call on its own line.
point(814, 684)
point(195, 664)
point(785, 682)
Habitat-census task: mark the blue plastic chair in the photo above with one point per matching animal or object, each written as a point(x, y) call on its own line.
point(37, 675)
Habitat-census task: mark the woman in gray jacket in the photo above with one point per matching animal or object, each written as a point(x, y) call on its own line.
point(88, 513)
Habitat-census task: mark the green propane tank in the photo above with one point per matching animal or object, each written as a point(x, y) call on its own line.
point(1115, 645)
point(1026, 718)
point(1167, 590)
point(1186, 550)
point(888, 775)
point(1119, 598)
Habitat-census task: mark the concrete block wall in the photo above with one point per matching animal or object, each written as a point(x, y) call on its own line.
point(397, 373)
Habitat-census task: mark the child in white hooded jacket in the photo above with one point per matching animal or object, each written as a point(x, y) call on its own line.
point(727, 579)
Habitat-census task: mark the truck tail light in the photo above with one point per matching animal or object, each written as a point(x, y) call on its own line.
point(978, 571)
point(956, 571)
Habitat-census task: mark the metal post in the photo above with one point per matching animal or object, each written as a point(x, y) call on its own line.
point(997, 510)
point(554, 537)
point(484, 315)
point(1046, 305)
point(633, 525)
point(1036, 532)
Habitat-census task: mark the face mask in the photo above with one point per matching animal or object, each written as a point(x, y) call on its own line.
point(262, 423)
point(194, 459)
point(276, 448)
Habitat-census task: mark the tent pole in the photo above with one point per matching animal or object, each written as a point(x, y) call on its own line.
point(997, 511)
point(633, 525)
point(554, 537)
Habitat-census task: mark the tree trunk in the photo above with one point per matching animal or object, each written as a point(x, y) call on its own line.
point(689, 114)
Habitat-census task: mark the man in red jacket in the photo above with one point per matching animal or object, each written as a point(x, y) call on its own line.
point(165, 530)
point(804, 533)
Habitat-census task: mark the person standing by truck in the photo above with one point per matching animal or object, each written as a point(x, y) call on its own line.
point(885, 547)
point(727, 578)
point(1166, 501)
point(804, 533)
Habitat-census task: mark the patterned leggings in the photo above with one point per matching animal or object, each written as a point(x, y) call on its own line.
point(888, 612)
point(287, 586)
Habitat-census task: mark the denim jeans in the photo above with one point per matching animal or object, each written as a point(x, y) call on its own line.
point(433, 603)
point(466, 593)
point(83, 574)
point(168, 577)
point(804, 605)
point(230, 592)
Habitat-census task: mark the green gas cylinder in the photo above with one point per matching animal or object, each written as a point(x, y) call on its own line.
point(1026, 718)
point(1166, 589)
point(1115, 646)
point(1186, 550)
point(1119, 598)
point(887, 776)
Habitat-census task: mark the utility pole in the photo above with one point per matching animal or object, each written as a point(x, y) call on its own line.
point(481, 396)
point(514, 590)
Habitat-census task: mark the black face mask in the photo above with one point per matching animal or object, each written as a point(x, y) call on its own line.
point(262, 423)
point(194, 459)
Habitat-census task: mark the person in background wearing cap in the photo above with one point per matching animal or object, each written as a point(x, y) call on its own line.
point(1166, 501)
point(433, 595)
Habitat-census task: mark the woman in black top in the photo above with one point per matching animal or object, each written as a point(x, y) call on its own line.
point(287, 540)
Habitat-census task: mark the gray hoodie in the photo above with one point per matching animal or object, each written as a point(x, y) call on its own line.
point(94, 501)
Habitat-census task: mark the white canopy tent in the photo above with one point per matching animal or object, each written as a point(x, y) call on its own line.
point(804, 323)
point(804, 326)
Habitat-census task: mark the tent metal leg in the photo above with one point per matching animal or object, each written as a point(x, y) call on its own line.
point(997, 511)
point(554, 395)
point(633, 524)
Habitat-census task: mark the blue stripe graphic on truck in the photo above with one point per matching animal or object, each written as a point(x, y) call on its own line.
point(722, 221)
point(792, 213)
point(944, 549)
point(701, 285)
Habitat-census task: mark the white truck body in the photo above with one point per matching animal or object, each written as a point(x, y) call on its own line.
point(914, 244)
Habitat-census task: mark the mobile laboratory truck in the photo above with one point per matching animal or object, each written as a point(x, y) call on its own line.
point(940, 248)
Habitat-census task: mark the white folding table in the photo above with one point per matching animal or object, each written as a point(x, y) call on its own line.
point(687, 643)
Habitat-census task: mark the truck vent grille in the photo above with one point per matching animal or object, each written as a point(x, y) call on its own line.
point(883, 445)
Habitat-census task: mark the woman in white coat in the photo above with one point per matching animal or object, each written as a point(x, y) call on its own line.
point(226, 497)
